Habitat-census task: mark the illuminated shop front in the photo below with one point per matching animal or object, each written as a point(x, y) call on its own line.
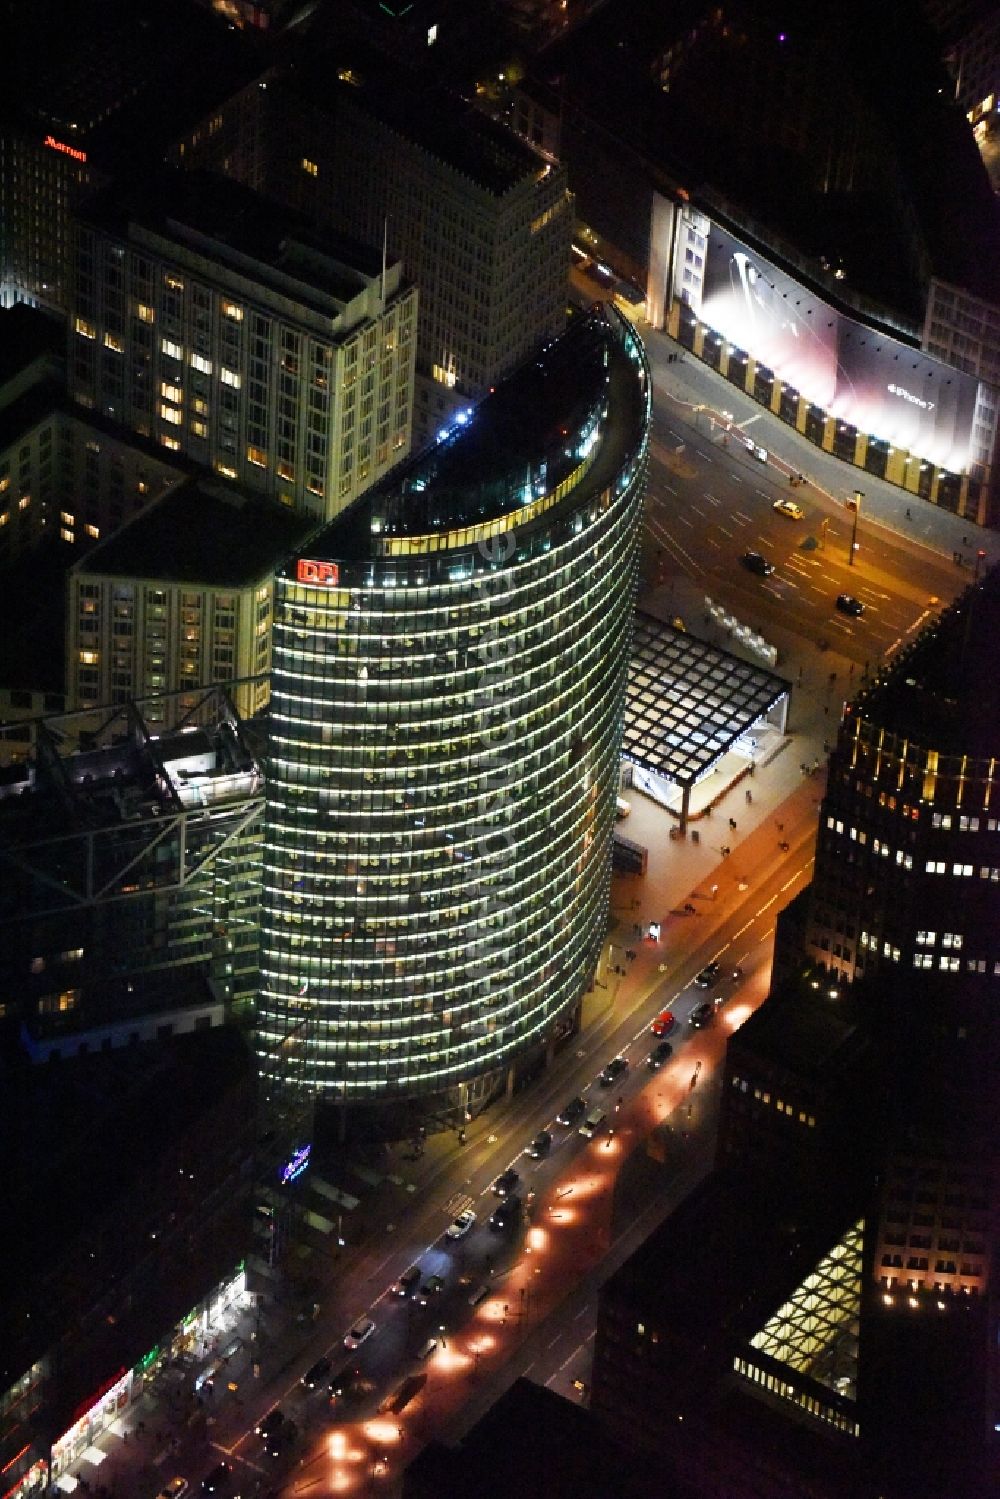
point(873, 400)
point(100, 1412)
point(447, 707)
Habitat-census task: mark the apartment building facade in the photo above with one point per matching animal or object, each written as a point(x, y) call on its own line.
point(223, 328)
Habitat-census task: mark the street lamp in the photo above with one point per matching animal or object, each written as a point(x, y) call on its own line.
point(858, 497)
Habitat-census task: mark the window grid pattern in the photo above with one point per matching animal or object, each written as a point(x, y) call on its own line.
point(441, 789)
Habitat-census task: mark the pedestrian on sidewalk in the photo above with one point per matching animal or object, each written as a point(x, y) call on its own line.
point(753, 767)
point(732, 824)
point(725, 851)
point(781, 827)
point(749, 796)
point(715, 891)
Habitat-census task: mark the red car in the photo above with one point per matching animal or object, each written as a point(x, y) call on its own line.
point(663, 1023)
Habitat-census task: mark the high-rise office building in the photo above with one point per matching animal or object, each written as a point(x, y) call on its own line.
point(446, 717)
point(225, 329)
point(482, 224)
point(834, 1330)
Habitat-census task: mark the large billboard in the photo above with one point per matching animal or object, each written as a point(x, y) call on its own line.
point(860, 376)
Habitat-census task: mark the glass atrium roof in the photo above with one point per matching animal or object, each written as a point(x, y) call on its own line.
point(688, 702)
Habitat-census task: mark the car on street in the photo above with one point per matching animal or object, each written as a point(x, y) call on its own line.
point(848, 604)
point(707, 977)
point(341, 1382)
point(359, 1333)
point(702, 1015)
point(315, 1376)
point(432, 1286)
point(280, 1440)
point(661, 1052)
point(755, 563)
point(615, 1069)
point(407, 1281)
point(270, 1423)
point(428, 1348)
point(175, 1489)
point(574, 1110)
point(789, 508)
point(219, 1481)
point(507, 1215)
point(505, 1182)
point(664, 1023)
point(540, 1145)
point(461, 1226)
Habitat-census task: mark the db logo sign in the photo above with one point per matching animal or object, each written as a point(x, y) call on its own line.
point(326, 574)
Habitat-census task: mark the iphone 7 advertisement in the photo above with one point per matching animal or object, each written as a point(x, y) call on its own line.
point(860, 376)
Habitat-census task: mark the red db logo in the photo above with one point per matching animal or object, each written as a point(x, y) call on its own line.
point(326, 574)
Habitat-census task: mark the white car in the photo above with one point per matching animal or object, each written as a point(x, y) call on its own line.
point(362, 1330)
point(174, 1489)
point(789, 508)
point(462, 1225)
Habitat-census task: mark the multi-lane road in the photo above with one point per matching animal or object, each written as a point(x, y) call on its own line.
point(575, 1226)
point(710, 501)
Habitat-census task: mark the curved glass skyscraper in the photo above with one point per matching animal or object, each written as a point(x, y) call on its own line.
point(448, 688)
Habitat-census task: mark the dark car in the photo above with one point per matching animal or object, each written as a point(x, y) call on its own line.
point(342, 1381)
point(219, 1481)
point(664, 1022)
point(574, 1111)
point(702, 1015)
point(755, 563)
point(505, 1182)
point(540, 1145)
point(707, 977)
point(407, 1281)
point(432, 1286)
point(270, 1423)
point(315, 1376)
point(848, 604)
point(660, 1053)
point(507, 1215)
point(615, 1069)
point(279, 1441)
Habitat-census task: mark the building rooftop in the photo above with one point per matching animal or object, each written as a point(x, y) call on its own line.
point(123, 78)
point(105, 770)
point(560, 1452)
point(942, 690)
point(63, 1126)
point(801, 1029)
point(27, 335)
point(216, 216)
point(201, 531)
point(687, 702)
point(737, 1250)
point(515, 447)
point(440, 123)
point(33, 619)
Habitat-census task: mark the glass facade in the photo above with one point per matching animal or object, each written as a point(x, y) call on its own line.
point(446, 719)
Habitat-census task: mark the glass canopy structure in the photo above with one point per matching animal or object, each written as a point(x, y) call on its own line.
point(450, 660)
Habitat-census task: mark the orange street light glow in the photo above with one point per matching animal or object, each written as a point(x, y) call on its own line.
point(382, 1431)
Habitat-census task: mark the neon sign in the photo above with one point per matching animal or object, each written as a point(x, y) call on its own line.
point(55, 145)
point(295, 1167)
point(326, 574)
